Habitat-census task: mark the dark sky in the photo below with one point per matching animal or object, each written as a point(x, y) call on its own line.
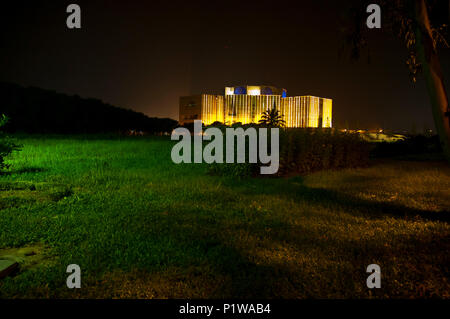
point(143, 55)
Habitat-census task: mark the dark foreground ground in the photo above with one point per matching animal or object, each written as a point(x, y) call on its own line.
point(140, 226)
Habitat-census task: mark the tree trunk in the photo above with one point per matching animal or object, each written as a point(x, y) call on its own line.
point(432, 71)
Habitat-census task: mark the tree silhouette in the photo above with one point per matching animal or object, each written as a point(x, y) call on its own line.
point(272, 118)
point(420, 25)
point(34, 110)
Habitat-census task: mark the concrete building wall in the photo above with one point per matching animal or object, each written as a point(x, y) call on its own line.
point(298, 111)
point(255, 90)
point(213, 109)
point(248, 108)
point(327, 113)
point(190, 109)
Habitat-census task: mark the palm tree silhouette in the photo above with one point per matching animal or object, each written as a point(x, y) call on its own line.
point(272, 118)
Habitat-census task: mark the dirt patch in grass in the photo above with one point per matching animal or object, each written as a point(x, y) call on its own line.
point(28, 257)
point(9, 186)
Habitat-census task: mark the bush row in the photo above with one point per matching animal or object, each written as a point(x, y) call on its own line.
point(303, 151)
point(307, 150)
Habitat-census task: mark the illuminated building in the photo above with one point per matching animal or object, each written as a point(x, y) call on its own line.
point(246, 104)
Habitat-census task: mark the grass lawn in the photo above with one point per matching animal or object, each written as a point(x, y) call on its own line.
point(140, 226)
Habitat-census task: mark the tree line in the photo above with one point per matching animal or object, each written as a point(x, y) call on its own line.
point(35, 110)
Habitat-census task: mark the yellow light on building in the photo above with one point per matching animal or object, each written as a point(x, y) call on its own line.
point(327, 112)
point(229, 90)
point(298, 111)
point(253, 90)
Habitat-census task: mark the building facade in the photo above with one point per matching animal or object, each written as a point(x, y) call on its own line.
point(246, 104)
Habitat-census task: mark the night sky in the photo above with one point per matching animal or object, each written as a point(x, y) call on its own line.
point(143, 55)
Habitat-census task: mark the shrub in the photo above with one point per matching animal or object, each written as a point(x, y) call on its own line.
point(306, 150)
point(238, 170)
point(7, 145)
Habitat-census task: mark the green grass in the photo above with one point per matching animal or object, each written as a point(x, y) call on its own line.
point(140, 226)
